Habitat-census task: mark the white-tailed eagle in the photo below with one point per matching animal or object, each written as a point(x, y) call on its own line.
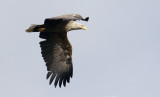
point(56, 49)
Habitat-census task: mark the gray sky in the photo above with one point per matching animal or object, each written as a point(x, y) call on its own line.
point(118, 56)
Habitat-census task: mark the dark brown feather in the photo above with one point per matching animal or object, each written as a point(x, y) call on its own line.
point(57, 53)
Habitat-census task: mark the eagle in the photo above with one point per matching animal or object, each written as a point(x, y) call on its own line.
point(56, 49)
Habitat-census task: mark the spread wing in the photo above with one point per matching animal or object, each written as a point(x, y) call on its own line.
point(57, 53)
point(65, 18)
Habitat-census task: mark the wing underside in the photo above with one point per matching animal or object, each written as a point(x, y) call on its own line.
point(57, 54)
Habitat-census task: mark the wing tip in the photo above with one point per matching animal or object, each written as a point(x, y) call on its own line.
point(59, 79)
point(86, 19)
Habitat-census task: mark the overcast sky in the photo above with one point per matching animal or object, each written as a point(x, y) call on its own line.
point(118, 56)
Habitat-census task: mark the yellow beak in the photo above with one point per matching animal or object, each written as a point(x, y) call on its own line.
point(84, 28)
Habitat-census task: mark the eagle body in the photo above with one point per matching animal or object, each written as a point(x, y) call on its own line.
point(56, 49)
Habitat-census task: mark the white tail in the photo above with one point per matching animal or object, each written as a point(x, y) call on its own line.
point(30, 29)
point(35, 28)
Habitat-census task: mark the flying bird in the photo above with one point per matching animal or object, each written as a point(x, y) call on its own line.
point(56, 49)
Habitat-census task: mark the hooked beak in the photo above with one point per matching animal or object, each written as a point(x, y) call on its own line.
point(84, 28)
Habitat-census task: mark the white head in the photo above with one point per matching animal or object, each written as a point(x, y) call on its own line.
point(75, 26)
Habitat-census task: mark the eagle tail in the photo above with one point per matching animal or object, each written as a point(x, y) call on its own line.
point(36, 28)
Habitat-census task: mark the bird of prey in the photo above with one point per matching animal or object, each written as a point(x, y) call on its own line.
point(56, 50)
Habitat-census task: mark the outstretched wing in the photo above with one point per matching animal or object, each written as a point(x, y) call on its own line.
point(65, 18)
point(57, 53)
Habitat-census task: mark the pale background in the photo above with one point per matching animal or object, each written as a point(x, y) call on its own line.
point(118, 56)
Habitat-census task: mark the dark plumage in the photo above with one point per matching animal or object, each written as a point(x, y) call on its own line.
point(56, 49)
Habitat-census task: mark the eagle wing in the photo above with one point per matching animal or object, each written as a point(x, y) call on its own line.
point(65, 18)
point(57, 53)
